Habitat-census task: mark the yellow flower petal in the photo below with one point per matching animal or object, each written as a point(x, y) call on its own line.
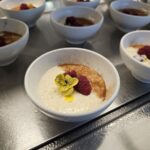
point(66, 83)
point(63, 88)
point(68, 92)
point(69, 98)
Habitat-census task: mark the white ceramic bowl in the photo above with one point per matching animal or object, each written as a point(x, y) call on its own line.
point(138, 70)
point(9, 53)
point(72, 56)
point(91, 3)
point(125, 22)
point(76, 35)
point(28, 16)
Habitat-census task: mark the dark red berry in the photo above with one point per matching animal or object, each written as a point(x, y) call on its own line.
point(83, 86)
point(148, 55)
point(24, 6)
point(71, 73)
point(145, 51)
point(147, 47)
point(141, 51)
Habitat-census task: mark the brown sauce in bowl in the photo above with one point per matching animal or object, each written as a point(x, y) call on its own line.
point(83, 0)
point(8, 37)
point(78, 22)
point(133, 11)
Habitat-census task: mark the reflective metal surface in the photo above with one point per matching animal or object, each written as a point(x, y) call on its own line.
point(22, 125)
point(126, 128)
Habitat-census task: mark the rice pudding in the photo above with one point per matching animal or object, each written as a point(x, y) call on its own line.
point(88, 93)
point(140, 53)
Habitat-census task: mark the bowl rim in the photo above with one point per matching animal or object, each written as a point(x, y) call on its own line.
point(122, 47)
point(127, 15)
point(74, 27)
point(104, 105)
point(22, 36)
point(14, 11)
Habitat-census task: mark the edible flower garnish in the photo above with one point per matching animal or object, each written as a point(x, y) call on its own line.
point(66, 84)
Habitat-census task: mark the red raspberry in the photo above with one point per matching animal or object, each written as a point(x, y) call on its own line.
point(141, 51)
point(72, 73)
point(83, 86)
point(145, 51)
point(148, 55)
point(24, 6)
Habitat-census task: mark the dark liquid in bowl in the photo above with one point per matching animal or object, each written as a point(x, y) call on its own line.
point(83, 0)
point(78, 22)
point(8, 37)
point(133, 11)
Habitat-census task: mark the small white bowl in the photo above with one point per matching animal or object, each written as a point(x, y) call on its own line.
point(10, 52)
point(125, 22)
point(72, 56)
point(140, 71)
point(29, 16)
point(76, 35)
point(91, 3)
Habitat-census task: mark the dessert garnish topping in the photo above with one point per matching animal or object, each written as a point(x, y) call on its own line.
point(66, 84)
point(145, 51)
point(70, 81)
point(83, 85)
point(72, 73)
point(23, 6)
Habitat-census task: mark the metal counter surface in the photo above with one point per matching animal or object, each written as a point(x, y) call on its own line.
point(126, 128)
point(22, 125)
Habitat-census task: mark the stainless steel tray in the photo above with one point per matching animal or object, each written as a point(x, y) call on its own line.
point(22, 125)
point(126, 128)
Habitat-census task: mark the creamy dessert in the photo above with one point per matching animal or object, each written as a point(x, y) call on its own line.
point(72, 88)
point(140, 52)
